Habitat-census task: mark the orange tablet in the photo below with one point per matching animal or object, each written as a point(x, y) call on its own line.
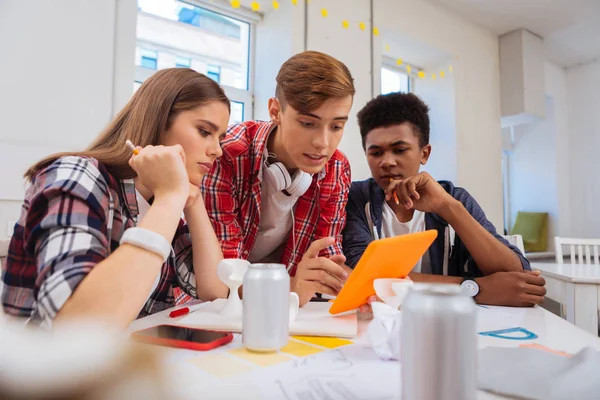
point(392, 257)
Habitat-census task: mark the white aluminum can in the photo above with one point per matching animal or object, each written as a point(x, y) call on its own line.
point(266, 299)
point(438, 344)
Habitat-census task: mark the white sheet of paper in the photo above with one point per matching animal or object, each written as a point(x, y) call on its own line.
point(352, 372)
point(313, 320)
point(490, 319)
point(341, 374)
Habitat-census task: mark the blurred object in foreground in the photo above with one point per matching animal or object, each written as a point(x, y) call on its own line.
point(83, 361)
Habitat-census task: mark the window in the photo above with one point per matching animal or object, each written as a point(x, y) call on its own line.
point(214, 73)
point(201, 35)
point(237, 112)
point(148, 59)
point(181, 62)
point(394, 80)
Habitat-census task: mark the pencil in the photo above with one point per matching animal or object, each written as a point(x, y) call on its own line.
point(395, 194)
point(132, 147)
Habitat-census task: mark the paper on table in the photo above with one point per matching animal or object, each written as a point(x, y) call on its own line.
point(332, 375)
point(313, 319)
point(517, 372)
point(494, 318)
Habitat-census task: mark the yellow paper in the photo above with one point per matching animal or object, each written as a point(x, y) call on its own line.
point(362, 26)
point(299, 349)
point(275, 4)
point(221, 365)
point(387, 47)
point(294, 2)
point(345, 24)
point(408, 68)
point(421, 74)
point(442, 74)
point(376, 31)
point(324, 12)
point(327, 342)
point(260, 359)
point(235, 3)
point(399, 61)
point(255, 6)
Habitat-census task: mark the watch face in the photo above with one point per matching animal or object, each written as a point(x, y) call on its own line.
point(470, 288)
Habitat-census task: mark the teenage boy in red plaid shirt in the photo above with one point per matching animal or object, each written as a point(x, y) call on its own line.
point(278, 193)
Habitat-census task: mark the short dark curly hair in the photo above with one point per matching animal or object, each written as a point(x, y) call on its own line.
point(394, 109)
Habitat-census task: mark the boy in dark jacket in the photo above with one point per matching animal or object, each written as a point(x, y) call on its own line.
point(399, 199)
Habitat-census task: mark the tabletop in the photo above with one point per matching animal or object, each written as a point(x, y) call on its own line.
point(337, 368)
point(575, 273)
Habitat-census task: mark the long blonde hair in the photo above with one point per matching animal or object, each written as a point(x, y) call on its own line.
point(143, 120)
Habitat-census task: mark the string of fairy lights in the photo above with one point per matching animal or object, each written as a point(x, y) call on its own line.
point(440, 73)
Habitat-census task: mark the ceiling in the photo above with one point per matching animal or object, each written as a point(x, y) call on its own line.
point(570, 28)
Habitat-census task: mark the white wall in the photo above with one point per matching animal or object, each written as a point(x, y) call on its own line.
point(57, 76)
point(439, 96)
point(556, 88)
point(279, 36)
point(539, 175)
point(533, 171)
point(583, 84)
point(476, 87)
point(353, 48)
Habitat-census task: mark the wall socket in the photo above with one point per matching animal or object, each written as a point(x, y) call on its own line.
point(10, 228)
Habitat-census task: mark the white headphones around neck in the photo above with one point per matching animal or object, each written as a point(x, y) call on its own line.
point(277, 175)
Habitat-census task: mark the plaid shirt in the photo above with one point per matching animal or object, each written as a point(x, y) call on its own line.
point(232, 193)
point(73, 217)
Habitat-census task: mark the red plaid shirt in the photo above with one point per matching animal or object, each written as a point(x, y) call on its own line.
point(232, 193)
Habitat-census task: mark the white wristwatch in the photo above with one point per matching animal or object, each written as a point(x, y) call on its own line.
point(469, 287)
point(147, 240)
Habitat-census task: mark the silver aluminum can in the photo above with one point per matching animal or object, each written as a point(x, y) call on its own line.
point(266, 299)
point(438, 344)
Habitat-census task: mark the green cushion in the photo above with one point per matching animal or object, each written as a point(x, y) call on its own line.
point(533, 226)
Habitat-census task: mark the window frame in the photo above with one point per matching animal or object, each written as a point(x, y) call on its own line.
point(245, 96)
point(391, 64)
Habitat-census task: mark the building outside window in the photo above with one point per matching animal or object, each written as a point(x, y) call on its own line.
point(200, 35)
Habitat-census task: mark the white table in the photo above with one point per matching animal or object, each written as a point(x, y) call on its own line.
point(577, 287)
point(552, 331)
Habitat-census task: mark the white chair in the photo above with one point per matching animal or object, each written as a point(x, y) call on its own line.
point(583, 251)
point(516, 240)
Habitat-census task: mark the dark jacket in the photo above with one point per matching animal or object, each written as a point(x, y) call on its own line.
point(364, 218)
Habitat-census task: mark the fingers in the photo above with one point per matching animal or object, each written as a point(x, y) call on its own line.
point(323, 263)
point(411, 187)
point(347, 269)
point(536, 272)
point(134, 153)
point(531, 299)
point(389, 191)
point(179, 150)
point(535, 290)
point(324, 289)
point(339, 259)
point(318, 245)
point(405, 190)
point(404, 196)
point(533, 279)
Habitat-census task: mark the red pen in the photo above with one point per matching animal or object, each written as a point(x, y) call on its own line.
point(185, 310)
